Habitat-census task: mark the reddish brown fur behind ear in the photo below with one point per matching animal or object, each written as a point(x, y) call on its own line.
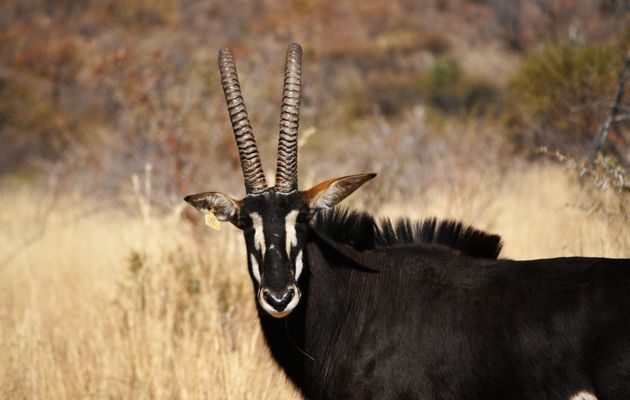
point(329, 193)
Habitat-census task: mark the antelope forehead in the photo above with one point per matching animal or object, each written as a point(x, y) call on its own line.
point(290, 234)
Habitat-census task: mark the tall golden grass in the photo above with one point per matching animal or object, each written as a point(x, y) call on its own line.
point(103, 303)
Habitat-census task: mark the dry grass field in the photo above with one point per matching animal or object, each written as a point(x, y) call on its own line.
point(100, 302)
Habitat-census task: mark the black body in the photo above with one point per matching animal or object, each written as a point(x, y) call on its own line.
point(354, 309)
point(427, 312)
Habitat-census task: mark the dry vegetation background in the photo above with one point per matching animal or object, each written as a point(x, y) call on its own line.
point(111, 112)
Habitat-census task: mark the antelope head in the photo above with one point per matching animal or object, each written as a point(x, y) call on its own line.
point(274, 219)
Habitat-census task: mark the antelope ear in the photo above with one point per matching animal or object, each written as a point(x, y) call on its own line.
point(223, 206)
point(329, 193)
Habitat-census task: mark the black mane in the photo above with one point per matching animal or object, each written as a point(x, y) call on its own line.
point(362, 231)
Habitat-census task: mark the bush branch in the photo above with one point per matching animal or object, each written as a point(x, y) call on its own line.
point(602, 133)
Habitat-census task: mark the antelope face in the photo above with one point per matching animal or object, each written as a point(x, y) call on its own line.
point(275, 226)
point(273, 219)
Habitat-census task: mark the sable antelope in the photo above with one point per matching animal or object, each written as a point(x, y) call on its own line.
point(355, 308)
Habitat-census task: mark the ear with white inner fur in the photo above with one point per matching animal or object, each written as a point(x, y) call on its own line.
point(329, 193)
point(223, 206)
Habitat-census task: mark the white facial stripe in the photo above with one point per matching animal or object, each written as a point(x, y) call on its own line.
point(583, 395)
point(259, 236)
point(289, 226)
point(299, 265)
point(255, 268)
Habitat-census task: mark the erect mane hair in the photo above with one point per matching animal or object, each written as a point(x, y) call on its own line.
point(363, 232)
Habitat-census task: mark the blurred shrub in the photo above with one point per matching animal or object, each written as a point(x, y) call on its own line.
point(614, 6)
point(57, 59)
point(436, 42)
point(449, 89)
point(32, 123)
point(388, 51)
point(561, 93)
point(389, 94)
point(155, 111)
point(509, 18)
point(128, 13)
point(444, 86)
point(603, 172)
point(37, 93)
point(603, 179)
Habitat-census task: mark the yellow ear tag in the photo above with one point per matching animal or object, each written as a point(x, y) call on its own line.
point(212, 221)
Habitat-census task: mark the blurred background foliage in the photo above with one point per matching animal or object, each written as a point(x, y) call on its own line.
point(94, 92)
point(562, 92)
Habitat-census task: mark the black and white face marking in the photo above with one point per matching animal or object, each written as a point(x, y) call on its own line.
point(275, 232)
point(259, 245)
point(292, 241)
point(275, 228)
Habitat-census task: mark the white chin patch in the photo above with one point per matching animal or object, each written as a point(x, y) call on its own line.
point(583, 395)
point(280, 314)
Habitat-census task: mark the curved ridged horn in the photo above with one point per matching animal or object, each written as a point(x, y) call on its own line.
point(248, 152)
point(286, 170)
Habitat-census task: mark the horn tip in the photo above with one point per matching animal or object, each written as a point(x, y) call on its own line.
point(295, 46)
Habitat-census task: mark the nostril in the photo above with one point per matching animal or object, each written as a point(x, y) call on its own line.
point(271, 300)
point(288, 296)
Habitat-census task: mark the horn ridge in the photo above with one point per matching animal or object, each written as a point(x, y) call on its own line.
point(286, 168)
point(253, 173)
